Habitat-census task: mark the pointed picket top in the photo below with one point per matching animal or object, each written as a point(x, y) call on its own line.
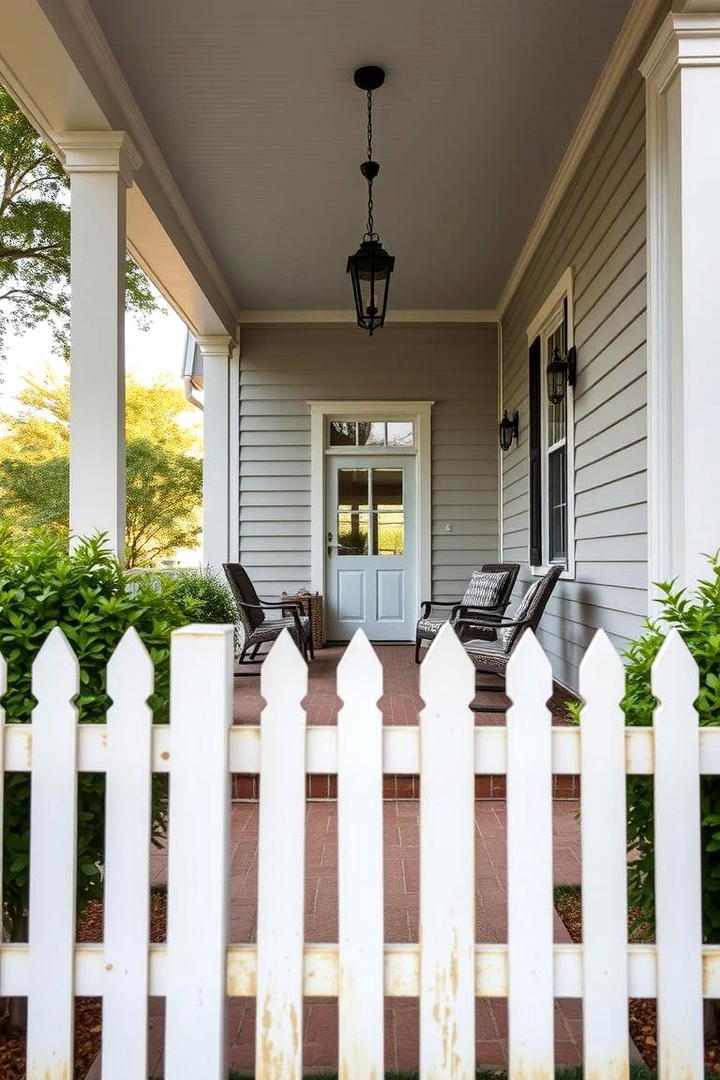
point(130, 673)
point(674, 672)
point(284, 674)
point(602, 674)
point(447, 674)
point(529, 672)
point(360, 673)
point(55, 669)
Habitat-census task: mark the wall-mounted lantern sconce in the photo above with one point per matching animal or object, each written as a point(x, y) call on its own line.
point(509, 430)
point(560, 374)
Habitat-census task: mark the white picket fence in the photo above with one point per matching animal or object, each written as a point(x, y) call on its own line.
point(199, 968)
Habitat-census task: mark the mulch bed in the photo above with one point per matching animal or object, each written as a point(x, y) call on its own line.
point(643, 1011)
point(88, 1011)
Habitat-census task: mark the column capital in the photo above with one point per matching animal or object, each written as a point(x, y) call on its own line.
point(99, 152)
point(687, 39)
point(218, 345)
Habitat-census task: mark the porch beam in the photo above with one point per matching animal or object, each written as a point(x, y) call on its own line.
point(682, 74)
point(221, 442)
point(101, 165)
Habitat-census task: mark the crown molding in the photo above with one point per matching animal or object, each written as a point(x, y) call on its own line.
point(638, 22)
point(341, 316)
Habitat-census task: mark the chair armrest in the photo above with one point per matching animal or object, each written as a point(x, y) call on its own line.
point(493, 624)
point(462, 611)
point(297, 608)
point(428, 605)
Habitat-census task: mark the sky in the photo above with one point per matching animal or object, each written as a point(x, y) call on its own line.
point(149, 354)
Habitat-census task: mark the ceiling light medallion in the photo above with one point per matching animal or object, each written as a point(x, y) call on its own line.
point(371, 266)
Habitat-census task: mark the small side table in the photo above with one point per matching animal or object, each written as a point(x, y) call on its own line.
point(312, 606)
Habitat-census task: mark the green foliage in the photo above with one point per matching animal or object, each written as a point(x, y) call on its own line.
point(695, 613)
point(88, 595)
point(35, 233)
point(205, 596)
point(164, 495)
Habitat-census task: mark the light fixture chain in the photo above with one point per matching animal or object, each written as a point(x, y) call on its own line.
point(370, 222)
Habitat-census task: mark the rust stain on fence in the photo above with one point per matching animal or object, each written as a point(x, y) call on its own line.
point(610, 1070)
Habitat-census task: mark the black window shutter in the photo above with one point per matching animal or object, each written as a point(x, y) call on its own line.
point(535, 427)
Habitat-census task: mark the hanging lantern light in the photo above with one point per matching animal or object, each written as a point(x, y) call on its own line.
point(509, 430)
point(371, 266)
point(560, 374)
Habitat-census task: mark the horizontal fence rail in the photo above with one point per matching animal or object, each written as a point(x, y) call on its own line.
point(199, 968)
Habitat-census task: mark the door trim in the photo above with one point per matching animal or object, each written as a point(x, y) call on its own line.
point(418, 411)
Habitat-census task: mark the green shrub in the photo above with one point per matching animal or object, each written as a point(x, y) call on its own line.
point(90, 597)
point(205, 597)
point(695, 613)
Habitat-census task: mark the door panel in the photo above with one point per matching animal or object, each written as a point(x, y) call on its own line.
point(351, 595)
point(390, 595)
point(371, 550)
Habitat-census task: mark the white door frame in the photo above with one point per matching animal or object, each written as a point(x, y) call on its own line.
point(417, 411)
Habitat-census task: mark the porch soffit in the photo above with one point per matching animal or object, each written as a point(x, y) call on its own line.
point(257, 117)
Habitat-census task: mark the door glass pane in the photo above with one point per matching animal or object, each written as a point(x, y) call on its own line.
point(371, 433)
point(342, 432)
point(387, 488)
point(353, 489)
point(557, 498)
point(352, 534)
point(389, 533)
point(400, 433)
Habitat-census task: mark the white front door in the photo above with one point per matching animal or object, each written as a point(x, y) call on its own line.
point(371, 547)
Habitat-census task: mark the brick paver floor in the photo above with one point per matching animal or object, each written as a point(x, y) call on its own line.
point(402, 871)
point(400, 703)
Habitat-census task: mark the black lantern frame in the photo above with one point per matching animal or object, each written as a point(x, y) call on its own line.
point(371, 266)
point(508, 430)
point(560, 374)
point(370, 269)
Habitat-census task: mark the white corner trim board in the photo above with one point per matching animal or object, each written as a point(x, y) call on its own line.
point(418, 411)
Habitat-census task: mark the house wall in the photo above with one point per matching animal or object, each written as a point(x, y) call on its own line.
point(600, 231)
point(281, 368)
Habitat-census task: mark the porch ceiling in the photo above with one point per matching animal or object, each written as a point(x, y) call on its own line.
point(254, 108)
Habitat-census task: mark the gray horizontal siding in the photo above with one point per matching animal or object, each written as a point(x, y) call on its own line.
point(599, 230)
point(283, 367)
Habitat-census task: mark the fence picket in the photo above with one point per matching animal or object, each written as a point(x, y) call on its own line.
point(678, 898)
point(604, 863)
point(198, 866)
point(529, 863)
point(130, 683)
point(281, 865)
point(447, 862)
point(53, 846)
point(361, 1026)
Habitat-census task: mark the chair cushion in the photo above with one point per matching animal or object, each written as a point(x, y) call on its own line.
point(509, 634)
point(429, 628)
point(486, 588)
point(272, 628)
point(487, 656)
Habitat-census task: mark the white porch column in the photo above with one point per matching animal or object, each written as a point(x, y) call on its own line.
point(682, 72)
point(221, 449)
point(100, 164)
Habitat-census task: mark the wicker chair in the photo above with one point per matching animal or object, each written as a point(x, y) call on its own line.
point(491, 657)
point(477, 600)
point(257, 628)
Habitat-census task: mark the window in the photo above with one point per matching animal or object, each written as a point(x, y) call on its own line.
point(394, 434)
point(371, 512)
point(551, 463)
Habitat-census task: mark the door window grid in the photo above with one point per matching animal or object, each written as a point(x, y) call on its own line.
point(370, 512)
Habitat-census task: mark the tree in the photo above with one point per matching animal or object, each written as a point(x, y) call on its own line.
point(35, 233)
point(163, 469)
